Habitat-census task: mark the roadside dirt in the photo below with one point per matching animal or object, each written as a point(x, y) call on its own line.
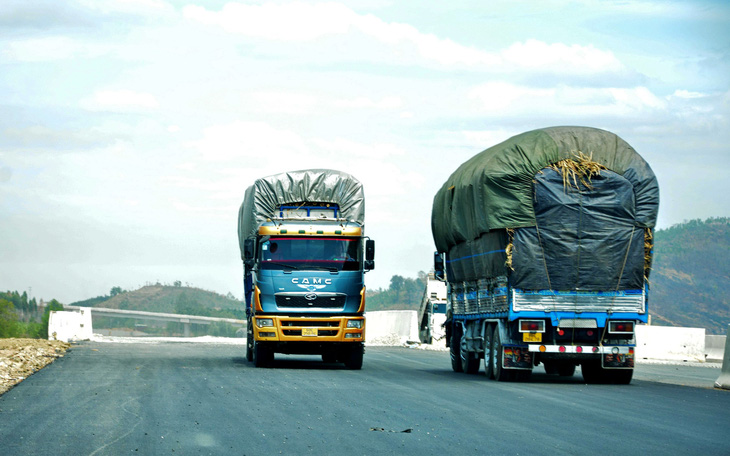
point(20, 358)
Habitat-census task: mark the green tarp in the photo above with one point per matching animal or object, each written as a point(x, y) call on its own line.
point(494, 189)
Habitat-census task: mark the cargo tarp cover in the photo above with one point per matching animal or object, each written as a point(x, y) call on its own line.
point(583, 240)
point(494, 189)
point(266, 195)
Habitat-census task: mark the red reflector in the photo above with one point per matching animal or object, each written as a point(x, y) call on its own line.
point(590, 333)
point(561, 332)
point(562, 349)
point(595, 349)
point(579, 349)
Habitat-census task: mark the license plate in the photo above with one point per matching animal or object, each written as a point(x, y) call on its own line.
point(532, 337)
point(309, 332)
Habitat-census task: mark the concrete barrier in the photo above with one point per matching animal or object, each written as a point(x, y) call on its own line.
point(391, 327)
point(723, 381)
point(670, 343)
point(714, 348)
point(68, 326)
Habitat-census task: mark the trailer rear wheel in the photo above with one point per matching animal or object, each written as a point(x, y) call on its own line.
point(454, 348)
point(489, 359)
point(500, 373)
point(469, 360)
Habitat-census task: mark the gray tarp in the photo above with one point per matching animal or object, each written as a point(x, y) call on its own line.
point(494, 189)
point(266, 195)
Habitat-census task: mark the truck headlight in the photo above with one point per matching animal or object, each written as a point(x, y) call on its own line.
point(264, 322)
point(354, 324)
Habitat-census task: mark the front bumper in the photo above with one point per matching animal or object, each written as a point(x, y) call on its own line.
point(308, 329)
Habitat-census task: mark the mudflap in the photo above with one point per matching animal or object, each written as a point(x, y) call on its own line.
point(516, 358)
point(618, 361)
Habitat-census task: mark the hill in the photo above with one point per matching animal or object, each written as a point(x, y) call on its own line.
point(690, 277)
point(170, 299)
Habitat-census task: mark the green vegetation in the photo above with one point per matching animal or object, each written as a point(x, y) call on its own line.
point(20, 317)
point(402, 294)
point(690, 277)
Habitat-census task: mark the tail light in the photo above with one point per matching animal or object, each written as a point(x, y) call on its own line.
point(621, 327)
point(532, 326)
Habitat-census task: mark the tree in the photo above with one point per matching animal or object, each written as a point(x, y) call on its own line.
point(115, 291)
point(8, 319)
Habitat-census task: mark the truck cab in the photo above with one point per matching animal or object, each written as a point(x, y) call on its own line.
point(304, 285)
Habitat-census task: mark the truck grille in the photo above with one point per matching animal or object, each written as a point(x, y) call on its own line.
point(300, 301)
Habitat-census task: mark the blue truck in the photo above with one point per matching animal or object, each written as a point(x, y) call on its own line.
point(305, 254)
point(545, 244)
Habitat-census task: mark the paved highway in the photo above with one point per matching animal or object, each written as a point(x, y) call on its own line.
point(185, 398)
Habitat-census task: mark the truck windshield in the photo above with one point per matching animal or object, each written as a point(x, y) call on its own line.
point(334, 254)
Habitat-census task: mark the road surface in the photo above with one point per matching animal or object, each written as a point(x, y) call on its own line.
point(186, 398)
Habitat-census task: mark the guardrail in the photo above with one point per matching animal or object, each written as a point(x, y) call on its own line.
point(186, 320)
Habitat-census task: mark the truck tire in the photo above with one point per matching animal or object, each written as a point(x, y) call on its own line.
point(249, 340)
point(454, 348)
point(353, 359)
point(500, 373)
point(469, 360)
point(489, 359)
point(262, 355)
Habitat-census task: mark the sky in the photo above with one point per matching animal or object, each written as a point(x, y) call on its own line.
point(130, 129)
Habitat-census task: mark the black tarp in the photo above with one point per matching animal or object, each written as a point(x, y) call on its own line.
point(584, 240)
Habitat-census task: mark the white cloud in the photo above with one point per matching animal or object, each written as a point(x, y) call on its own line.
point(120, 100)
point(285, 102)
point(50, 48)
point(306, 22)
point(559, 57)
point(254, 142)
point(687, 94)
point(508, 99)
point(128, 6)
point(365, 102)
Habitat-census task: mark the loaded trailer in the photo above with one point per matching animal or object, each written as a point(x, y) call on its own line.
point(545, 244)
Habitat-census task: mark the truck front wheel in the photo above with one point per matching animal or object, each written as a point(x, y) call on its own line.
point(249, 340)
point(262, 355)
point(353, 359)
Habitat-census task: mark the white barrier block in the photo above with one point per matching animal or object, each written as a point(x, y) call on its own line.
point(714, 348)
point(670, 343)
point(723, 381)
point(391, 327)
point(67, 326)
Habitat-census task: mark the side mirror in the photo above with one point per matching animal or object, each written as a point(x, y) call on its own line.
point(370, 250)
point(369, 255)
point(249, 252)
point(438, 266)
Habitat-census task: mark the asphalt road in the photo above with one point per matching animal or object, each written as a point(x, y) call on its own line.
point(184, 398)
